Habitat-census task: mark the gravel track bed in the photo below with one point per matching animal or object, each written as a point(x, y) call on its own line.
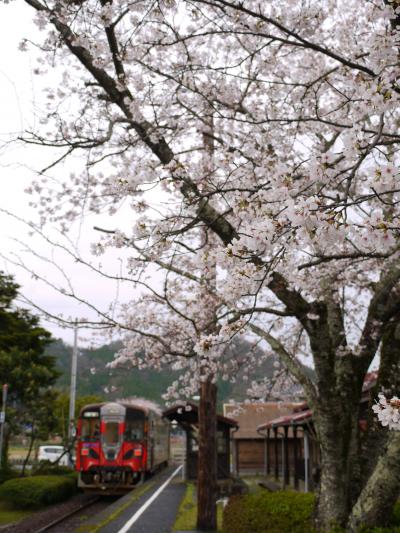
point(71, 524)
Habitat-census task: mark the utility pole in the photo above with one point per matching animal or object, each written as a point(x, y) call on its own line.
point(207, 469)
point(3, 420)
point(72, 394)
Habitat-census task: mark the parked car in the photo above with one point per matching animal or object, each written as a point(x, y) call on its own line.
point(51, 452)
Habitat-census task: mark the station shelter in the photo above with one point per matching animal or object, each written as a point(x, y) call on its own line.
point(291, 446)
point(187, 417)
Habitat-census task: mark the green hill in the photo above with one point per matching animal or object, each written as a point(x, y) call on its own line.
point(94, 378)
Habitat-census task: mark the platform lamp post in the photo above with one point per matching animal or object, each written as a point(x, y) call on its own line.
point(3, 420)
point(72, 396)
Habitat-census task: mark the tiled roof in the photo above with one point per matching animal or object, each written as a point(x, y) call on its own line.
point(250, 416)
point(302, 414)
point(288, 420)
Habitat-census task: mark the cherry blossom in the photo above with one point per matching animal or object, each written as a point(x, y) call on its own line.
point(388, 412)
point(257, 146)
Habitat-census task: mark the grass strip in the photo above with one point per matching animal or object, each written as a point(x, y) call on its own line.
point(186, 518)
point(10, 515)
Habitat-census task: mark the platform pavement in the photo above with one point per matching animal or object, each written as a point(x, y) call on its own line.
point(158, 517)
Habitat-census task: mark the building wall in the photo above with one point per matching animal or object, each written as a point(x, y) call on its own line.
point(250, 455)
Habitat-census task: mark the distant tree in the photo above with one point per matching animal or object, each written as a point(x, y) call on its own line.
point(23, 366)
point(38, 420)
point(61, 410)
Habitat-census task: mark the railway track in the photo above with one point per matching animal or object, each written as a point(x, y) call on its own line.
point(55, 524)
point(62, 518)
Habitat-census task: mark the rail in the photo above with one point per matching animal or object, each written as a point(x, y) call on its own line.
point(54, 523)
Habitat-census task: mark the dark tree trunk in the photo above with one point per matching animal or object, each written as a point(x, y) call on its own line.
point(207, 461)
point(336, 422)
point(380, 449)
point(379, 495)
point(31, 441)
point(347, 496)
point(6, 445)
point(332, 504)
point(376, 436)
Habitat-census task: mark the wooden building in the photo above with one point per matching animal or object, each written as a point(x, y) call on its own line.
point(249, 446)
point(187, 418)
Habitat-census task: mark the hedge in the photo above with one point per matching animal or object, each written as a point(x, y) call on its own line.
point(7, 473)
point(269, 512)
point(278, 512)
point(37, 491)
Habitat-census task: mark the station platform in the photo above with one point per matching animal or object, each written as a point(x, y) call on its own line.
point(150, 508)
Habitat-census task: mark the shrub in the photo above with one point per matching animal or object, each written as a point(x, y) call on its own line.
point(7, 473)
point(37, 491)
point(278, 512)
point(269, 512)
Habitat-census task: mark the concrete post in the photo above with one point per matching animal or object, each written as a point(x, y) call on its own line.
point(72, 396)
point(3, 420)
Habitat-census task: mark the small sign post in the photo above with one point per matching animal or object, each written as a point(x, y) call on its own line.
point(3, 419)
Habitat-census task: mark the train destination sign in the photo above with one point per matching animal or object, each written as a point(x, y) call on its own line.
point(91, 414)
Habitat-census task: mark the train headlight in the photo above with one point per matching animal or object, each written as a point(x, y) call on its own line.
point(137, 452)
point(85, 451)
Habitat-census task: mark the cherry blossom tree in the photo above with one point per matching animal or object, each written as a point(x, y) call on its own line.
point(301, 189)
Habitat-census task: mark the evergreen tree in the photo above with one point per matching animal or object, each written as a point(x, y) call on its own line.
point(28, 372)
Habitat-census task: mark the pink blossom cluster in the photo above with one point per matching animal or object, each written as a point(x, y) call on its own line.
point(388, 411)
point(273, 125)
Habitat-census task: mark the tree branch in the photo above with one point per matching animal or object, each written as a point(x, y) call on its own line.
point(291, 363)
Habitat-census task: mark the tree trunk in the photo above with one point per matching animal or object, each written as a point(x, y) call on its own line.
point(207, 459)
point(381, 481)
point(376, 436)
point(332, 502)
point(6, 445)
point(376, 501)
point(345, 497)
point(338, 434)
point(32, 440)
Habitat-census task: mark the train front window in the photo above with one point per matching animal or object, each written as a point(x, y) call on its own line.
point(90, 430)
point(111, 433)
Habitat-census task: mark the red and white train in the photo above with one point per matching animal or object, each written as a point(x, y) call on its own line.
point(118, 444)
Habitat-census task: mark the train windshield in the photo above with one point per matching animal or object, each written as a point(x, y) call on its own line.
point(111, 433)
point(90, 430)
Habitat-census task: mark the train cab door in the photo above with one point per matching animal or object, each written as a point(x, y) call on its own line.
point(112, 418)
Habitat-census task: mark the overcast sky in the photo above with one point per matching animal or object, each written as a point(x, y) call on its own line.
point(20, 93)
